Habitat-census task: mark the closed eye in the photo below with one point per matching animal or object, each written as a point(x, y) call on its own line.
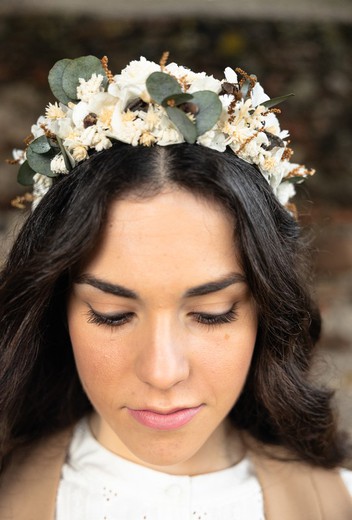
point(217, 319)
point(117, 320)
point(114, 320)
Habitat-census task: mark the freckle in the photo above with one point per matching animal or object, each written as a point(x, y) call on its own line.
point(227, 336)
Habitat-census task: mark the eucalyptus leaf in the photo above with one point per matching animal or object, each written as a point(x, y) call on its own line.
point(40, 145)
point(84, 68)
point(25, 174)
point(183, 123)
point(275, 101)
point(40, 163)
point(210, 108)
point(161, 85)
point(55, 81)
point(178, 99)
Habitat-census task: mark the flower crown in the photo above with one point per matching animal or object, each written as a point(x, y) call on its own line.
point(154, 104)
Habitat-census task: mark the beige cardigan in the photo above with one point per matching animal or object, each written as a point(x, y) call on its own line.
point(291, 490)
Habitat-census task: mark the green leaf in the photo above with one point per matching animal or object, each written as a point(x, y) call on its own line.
point(55, 81)
point(210, 108)
point(69, 161)
point(275, 101)
point(183, 123)
point(25, 174)
point(178, 98)
point(295, 180)
point(161, 85)
point(40, 163)
point(40, 145)
point(84, 68)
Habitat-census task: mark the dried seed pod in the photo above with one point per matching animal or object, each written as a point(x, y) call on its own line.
point(136, 104)
point(189, 108)
point(90, 120)
point(274, 141)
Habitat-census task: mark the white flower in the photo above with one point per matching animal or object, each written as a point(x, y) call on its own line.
point(61, 127)
point(101, 103)
point(272, 125)
point(87, 89)
point(168, 136)
point(147, 139)
point(258, 95)
point(79, 153)
point(126, 129)
point(100, 141)
point(178, 71)
point(152, 117)
point(213, 139)
point(19, 155)
point(252, 151)
point(37, 129)
point(103, 144)
point(226, 100)
point(55, 111)
point(72, 140)
point(193, 81)
point(57, 164)
point(41, 185)
point(230, 75)
point(80, 111)
point(204, 82)
point(166, 132)
point(87, 136)
point(271, 166)
point(131, 83)
point(284, 192)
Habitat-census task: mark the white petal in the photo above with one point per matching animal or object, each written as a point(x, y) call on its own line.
point(258, 95)
point(80, 111)
point(285, 192)
point(230, 75)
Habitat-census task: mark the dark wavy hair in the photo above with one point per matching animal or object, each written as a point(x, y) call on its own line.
point(40, 391)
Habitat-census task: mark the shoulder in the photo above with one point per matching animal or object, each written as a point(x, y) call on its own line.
point(32, 476)
point(297, 487)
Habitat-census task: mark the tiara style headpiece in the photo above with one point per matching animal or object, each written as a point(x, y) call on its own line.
point(154, 104)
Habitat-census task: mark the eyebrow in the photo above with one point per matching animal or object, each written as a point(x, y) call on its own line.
point(216, 285)
point(107, 287)
point(199, 290)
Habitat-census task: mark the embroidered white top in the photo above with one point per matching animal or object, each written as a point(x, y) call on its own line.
point(99, 485)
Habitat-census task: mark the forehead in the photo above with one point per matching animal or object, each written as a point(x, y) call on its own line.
point(171, 234)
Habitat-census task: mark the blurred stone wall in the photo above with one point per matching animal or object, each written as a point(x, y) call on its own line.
point(310, 57)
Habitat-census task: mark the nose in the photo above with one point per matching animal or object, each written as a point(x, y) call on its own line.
point(162, 360)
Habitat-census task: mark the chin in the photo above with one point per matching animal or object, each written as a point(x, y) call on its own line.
point(164, 455)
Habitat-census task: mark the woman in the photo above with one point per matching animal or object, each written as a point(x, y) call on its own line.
point(157, 329)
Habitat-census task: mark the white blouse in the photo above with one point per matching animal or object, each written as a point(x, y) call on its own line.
point(99, 485)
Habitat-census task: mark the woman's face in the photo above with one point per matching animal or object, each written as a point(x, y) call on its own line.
point(163, 328)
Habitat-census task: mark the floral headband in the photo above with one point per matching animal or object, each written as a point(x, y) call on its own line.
point(154, 104)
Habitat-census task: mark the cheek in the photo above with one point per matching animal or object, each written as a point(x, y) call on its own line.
point(100, 363)
point(227, 364)
point(228, 369)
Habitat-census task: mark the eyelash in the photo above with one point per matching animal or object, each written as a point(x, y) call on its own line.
point(113, 321)
point(217, 319)
point(118, 320)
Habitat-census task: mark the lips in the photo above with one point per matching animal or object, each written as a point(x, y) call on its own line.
point(169, 420)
